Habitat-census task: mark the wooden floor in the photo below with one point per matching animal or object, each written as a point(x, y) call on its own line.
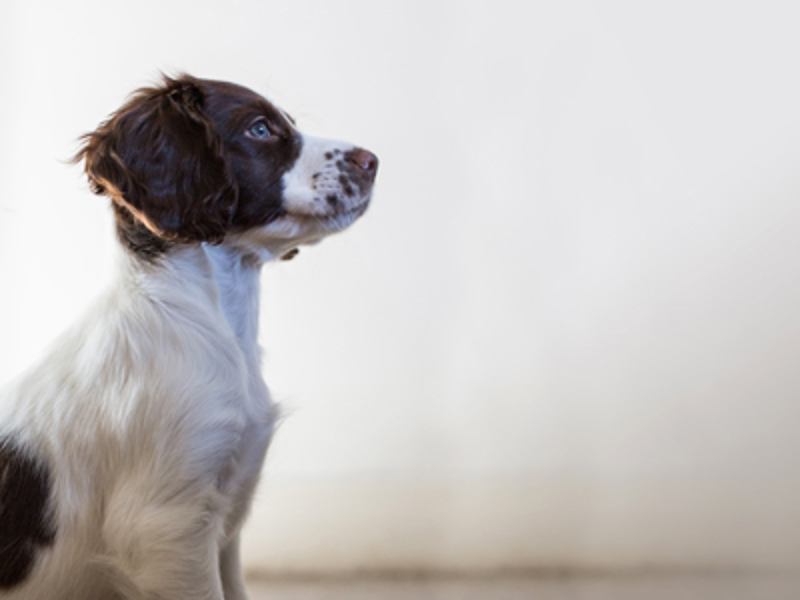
point(715, 587)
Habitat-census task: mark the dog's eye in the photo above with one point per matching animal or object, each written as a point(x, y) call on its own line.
point(259, 130)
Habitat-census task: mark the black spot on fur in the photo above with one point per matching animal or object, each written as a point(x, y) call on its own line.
point(332, 199)
point(329, 155)
point(346, 187)
point(25, 522)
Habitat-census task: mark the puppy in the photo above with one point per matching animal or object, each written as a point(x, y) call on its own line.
point(129, 454)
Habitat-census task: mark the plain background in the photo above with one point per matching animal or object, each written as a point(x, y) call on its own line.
point(565, 335)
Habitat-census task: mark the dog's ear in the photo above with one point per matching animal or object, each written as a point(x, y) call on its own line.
point(161, 158)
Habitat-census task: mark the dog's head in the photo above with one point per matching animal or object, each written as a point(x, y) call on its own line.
point(195, 160)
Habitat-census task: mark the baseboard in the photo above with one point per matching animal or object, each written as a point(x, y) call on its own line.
point(507, 525)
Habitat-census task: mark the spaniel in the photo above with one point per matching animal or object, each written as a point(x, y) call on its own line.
point(130, 453)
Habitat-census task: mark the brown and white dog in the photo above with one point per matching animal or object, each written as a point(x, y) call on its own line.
point(129, 454)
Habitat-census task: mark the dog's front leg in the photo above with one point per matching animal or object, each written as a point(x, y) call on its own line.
point(231, 571)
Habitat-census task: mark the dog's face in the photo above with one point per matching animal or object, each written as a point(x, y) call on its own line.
point(197, 160)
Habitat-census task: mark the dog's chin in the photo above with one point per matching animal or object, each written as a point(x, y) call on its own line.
point(328, 222)
point(297, 228)
point(343, 219)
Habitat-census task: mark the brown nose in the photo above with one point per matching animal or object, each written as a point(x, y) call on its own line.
point(364, 159)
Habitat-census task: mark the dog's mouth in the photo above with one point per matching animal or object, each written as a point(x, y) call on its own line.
point(345, 217)
point(357, 210)
point(340, 211)
point(295, 226)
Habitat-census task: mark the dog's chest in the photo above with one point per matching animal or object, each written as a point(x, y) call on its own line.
point(244, 457)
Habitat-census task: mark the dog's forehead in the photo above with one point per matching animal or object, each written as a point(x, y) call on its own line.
point(237, 97)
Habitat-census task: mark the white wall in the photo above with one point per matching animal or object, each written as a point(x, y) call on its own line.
point(567, 333)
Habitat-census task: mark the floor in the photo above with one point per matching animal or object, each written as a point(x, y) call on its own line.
point(715, 587)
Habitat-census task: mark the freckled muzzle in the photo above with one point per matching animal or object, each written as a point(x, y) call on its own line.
point(357, 169)
point(340, 189)
point(344, 180)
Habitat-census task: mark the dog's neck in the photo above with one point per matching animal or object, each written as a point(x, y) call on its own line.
point(204, 277)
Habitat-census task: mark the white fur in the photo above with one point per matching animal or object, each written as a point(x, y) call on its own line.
point(153, 418)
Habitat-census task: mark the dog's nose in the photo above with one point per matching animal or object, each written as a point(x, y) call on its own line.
point(364, 159)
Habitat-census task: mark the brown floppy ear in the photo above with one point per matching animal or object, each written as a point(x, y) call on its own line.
point(160, 158)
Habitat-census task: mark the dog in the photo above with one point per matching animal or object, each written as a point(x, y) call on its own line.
point(130, 453)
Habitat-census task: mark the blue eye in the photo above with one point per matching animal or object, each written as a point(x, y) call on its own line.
point(259, 130)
